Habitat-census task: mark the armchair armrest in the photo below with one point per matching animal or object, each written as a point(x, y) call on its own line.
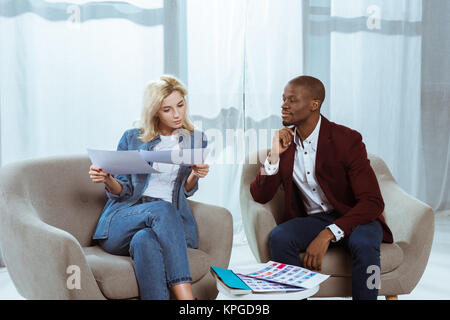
point(215, 231)
point(38, 255)
point(259, 222)
point(412, 224)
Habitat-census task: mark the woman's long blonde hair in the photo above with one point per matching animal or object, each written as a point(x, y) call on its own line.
point(155, 92)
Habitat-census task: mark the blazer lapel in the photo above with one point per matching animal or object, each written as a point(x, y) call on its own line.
point(324, 154)
point(323, 144)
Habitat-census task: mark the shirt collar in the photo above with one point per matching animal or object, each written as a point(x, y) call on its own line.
point(312, 139)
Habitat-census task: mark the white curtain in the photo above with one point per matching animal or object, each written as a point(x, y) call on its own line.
point(66, 86)
point(72, 75)
point(376, 58)
point(238, 65)
point(435, 117)
point(215, 51)
point(375, 82)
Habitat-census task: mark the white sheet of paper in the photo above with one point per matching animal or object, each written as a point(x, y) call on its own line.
point(181, 157)
point(120, 162)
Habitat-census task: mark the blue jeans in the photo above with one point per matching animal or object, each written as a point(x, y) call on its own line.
point(152, 234)
point(288, 239)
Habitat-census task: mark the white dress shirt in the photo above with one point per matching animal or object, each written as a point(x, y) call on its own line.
point(304, 177)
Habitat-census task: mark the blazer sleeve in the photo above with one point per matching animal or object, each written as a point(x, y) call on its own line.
point(123, 179)
point(369, 202)
point(264, 187)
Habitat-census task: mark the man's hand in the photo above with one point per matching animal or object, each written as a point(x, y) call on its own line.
point(316, 250)
point(282, 139)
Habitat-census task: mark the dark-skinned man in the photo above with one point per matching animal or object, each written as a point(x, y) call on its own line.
point(332, 195)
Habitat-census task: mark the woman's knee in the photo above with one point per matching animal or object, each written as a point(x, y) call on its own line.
point(166, 217)
point(143, 239)
point(113, 245)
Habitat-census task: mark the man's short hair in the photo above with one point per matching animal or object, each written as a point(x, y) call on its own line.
point(315, 86)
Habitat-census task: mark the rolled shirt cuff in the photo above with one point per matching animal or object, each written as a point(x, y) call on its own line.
point(192, 191)
point(337, 232)
point(271, 169)
point(116, 196)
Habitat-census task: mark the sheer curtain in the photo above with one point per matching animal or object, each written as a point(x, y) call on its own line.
point(375, 82)
point(71, 81)
point(240, 56)
point(377, 58)
point(215, 51)
point(435, 118)
point(72, 75)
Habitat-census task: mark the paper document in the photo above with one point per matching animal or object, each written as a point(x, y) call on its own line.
point(136, 161)
point(289, 275)
point(181, 157)
point(120, 162)
point(259, 285)
point(269, 277)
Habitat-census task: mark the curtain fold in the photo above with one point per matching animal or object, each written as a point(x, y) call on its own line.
point(215, 50)
point(435, 106)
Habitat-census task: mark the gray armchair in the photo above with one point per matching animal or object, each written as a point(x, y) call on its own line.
point(49, 210)
point(402, 262)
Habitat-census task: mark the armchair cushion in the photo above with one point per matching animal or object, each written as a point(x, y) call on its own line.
point(115, 274)
point(337, 262)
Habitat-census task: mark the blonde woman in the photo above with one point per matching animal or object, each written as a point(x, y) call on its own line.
point(147, 216)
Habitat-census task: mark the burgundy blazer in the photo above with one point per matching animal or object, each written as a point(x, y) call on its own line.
point(342, 171)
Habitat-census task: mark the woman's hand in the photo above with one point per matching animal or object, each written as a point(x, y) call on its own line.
point(200, 170)
point(97, 175)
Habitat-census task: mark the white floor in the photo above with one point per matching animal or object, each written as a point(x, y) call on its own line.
point(433, 284)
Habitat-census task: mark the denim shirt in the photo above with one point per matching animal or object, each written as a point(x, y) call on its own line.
point(135, 184)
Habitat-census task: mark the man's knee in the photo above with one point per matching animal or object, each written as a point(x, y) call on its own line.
point(363, 245)
point(278, 238)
